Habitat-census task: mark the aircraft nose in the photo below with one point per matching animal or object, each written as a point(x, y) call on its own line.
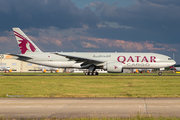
point(174, 62)
point(171, 63)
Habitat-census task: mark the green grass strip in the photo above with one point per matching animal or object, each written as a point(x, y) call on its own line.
point(90, 86)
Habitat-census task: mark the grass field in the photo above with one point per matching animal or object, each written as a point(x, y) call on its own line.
point(90, 86)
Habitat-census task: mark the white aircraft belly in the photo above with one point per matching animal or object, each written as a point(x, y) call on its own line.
point(59, 64)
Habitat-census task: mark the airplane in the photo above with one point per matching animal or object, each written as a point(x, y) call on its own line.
point(175, 67)
point(45, 68)
point(5, 68)
point(109, 61)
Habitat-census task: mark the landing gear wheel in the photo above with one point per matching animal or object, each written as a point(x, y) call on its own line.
point(86, 73)
point(90, 73)
point(95, 73)
point(160, 73)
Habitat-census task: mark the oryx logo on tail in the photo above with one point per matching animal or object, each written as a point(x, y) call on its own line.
point(24, 44)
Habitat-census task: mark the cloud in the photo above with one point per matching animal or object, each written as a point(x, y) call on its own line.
point(129, 45)
point(47, 40)
point(88, 45)
point(43, 14)
point(161, 2)
point(4, 39)
point(112, 25)
point(147, 19)
point(54, 38)
point(8, 45)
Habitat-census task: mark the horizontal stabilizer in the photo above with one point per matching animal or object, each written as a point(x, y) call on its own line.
point(22, 57)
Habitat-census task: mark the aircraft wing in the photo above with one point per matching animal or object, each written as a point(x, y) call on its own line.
point(86, 61)
point(21, 57)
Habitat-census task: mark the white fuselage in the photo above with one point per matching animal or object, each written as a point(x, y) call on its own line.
point(128, 60)
point(4, 68)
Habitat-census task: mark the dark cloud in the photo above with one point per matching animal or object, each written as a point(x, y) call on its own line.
point(161, 2)
point(145, 20)
point(148, 21)
point(44, 13)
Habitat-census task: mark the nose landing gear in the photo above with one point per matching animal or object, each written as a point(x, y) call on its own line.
point(160, 73)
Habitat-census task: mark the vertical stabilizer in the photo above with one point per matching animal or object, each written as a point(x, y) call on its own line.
point(25, 44)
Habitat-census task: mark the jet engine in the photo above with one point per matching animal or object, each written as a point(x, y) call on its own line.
point(44, 70)
point(113, 67)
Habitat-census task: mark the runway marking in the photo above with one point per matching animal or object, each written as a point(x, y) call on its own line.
point(146, 106)
point(58, 111)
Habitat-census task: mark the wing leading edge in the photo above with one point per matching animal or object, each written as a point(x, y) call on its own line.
point(86, 62)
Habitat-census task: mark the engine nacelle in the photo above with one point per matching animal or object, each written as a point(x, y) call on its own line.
point(44, 70)
point(114, 67)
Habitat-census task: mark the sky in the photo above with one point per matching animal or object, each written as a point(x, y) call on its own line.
point(93, 25)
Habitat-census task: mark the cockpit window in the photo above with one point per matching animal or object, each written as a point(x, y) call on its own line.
point(169, 59)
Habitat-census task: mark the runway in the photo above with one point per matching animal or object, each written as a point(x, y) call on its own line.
point(87, 107)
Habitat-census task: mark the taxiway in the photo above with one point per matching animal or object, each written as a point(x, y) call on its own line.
point(87, 107)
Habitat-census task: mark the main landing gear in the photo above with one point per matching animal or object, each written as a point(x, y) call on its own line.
point(91, 73)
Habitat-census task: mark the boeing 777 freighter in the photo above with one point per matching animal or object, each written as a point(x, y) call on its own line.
point(112, 62)
point(5, 68)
